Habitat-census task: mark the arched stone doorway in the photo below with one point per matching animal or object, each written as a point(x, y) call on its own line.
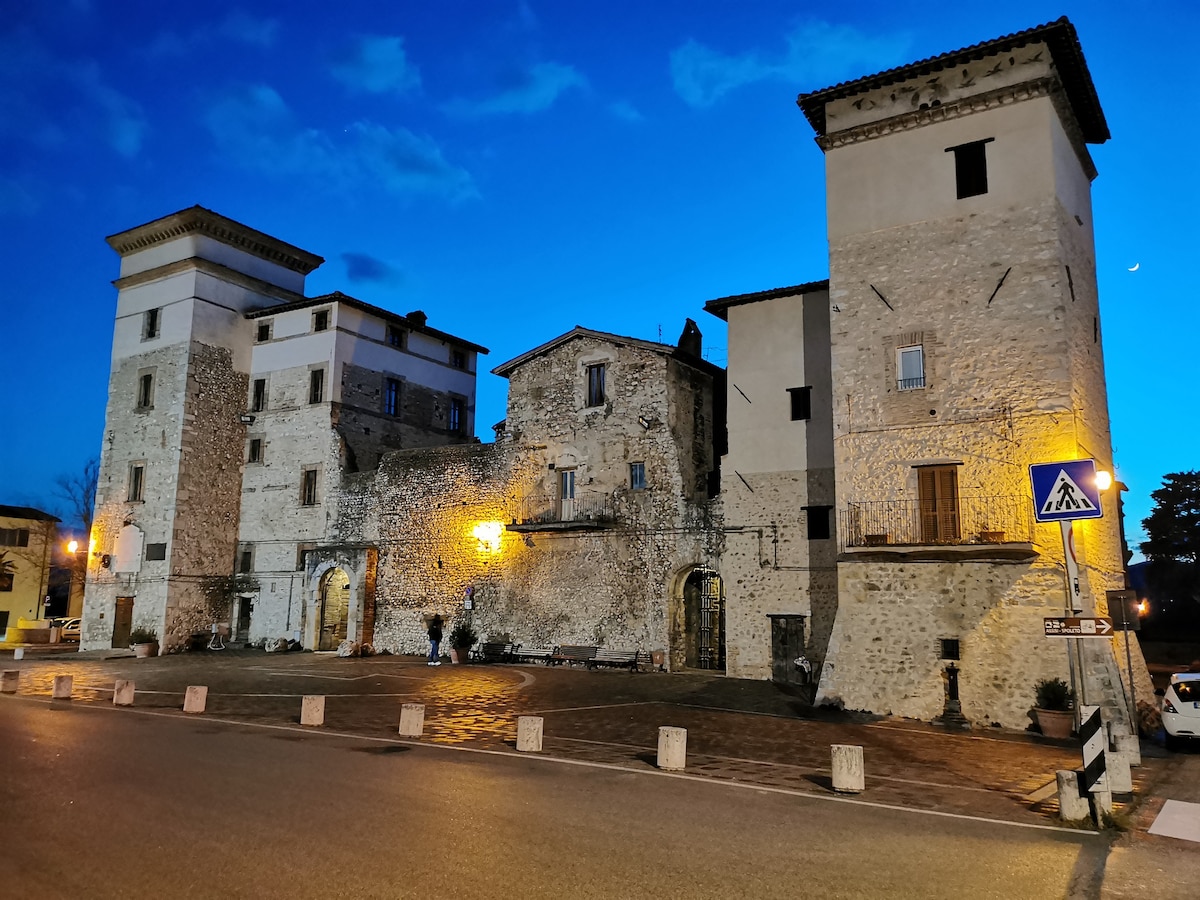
point(333, 609)
point(699, 620)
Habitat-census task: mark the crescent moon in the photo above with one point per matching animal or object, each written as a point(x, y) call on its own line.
point(1135, 267)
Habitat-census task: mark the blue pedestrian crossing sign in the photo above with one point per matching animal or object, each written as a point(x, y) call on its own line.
point(1065, 490)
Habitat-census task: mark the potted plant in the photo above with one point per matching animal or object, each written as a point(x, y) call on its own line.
point(462, 638)
point(144, 642)
point(1054, 710)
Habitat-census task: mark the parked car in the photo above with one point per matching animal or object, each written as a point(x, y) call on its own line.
point(1181, 708)
point(69, 630)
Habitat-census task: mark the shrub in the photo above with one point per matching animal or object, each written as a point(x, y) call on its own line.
point(463, 635)
point(1054, 693)
point(142, 636)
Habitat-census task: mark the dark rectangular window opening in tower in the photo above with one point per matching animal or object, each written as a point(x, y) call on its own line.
point(970, 168)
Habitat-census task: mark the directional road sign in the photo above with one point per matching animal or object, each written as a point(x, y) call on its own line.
point(1065, 490)
point(1079, 626)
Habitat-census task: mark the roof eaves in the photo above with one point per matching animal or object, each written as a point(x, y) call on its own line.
point(719, 306)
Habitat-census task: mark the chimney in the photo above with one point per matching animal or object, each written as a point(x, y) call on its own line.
point(689, 341)
point(418, 318)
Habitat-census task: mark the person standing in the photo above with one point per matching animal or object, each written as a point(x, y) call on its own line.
point(435, 638)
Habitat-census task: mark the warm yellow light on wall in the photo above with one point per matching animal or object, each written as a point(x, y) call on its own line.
point(72, 546)
point(1104, 480)
point(488, 535)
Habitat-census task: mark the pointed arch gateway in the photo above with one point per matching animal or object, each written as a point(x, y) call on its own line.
point(698, 639)
point(333, 607)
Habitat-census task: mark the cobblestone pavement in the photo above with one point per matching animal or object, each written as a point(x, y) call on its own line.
point(743, 731)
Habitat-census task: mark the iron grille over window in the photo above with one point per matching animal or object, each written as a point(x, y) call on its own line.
point(910, 364)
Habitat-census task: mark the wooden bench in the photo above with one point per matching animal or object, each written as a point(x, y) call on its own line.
point(574, 653)
point(495, 651)
point(532, 654)
point(618, 658)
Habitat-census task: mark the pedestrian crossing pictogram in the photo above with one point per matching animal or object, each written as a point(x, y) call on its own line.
point(1065, 490)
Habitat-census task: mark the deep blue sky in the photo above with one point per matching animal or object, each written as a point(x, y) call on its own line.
point(515, 169)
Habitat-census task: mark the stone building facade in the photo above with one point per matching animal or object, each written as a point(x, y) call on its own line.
point(589, 521)
point(27, 538)
point(235, 405)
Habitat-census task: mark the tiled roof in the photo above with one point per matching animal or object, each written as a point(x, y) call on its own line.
point(506, 369)
point(26, 512)
point(1059, 36)
point(719, 306)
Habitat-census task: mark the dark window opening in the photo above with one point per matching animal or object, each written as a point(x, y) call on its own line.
point(145, 394)
point(256, 451)
point(264, 332)
point(458, 359)
point(818, 522)
point(321, 320)
point(595, 385)
point(637, 476)
point(950, 648)
point(150, 328)
point(14, 537)
point(391, 397)
point(395, 336)
point(301, 550)
point(6, 585)
point(316, 385)
point(455, 419)
point(156, 552)
point(136, 486)
point(801, 403)
point(970, 168)
point(308, 488)
point(246, 560)
point(259, 402)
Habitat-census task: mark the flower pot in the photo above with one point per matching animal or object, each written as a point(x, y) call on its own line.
point(1055, 723)
point(459, 654)
point(142, 651)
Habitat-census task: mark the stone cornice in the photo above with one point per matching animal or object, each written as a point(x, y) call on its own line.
point(198, 220)
point(1049, 86)
point(207, 266)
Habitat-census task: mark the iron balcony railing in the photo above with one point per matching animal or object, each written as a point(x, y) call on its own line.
point(962, 520)
point(585, 507)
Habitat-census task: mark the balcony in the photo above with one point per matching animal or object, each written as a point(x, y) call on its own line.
point(542, 512)
point(962, 528)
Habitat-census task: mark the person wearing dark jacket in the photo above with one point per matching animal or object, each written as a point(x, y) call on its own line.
point(435, 638)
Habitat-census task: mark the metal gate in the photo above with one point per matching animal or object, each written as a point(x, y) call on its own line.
point(710, 631)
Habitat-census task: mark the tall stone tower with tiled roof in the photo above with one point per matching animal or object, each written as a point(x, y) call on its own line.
point(964, 346)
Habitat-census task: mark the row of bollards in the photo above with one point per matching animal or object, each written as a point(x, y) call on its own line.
point(848, 773)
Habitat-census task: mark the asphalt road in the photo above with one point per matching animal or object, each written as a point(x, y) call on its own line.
point(103, 802)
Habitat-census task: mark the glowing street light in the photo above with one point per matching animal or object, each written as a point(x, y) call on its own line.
point(1104, 480)
point(488, 534)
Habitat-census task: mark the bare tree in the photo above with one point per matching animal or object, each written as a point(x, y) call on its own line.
point(78, 494)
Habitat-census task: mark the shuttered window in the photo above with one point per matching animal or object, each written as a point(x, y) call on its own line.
point(938, 489)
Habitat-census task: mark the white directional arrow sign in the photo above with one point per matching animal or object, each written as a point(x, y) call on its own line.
point(1079, 626)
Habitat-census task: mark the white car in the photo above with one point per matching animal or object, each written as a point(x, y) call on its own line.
point(1181, 708)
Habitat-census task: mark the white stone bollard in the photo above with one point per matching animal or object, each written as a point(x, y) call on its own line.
point(312, 710)
point(19, 653)
point(529, 734)
point(849, 776)
point(1116, 770)
point(195, 699)
point(1101, 802)
point(1071, 805)
point(123, 693)
point(9, 680)
point(412, 719)
point(1129, 746)
point(63, 685)
point(672, 748)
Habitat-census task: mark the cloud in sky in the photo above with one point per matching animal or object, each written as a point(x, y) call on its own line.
point(817, 54)
point(237, 26)
point(254, 126)
point(376, 65)
point(524, 89)
point(625, 110)
point(362, 267)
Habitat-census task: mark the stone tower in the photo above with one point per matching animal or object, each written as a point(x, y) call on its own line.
point(167, 504)
point(965, 345)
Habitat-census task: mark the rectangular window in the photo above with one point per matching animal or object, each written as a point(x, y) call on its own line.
point(321, 320)
point(949, 648)
point(255, 453)
point(316, 385)
point(801, 403)
point(258, 400)
point(145, 391)
point(595, 385)
point(301, 551)
point(6, 585)
point(137, 475)
point(395, 336)
point(566, 484)
point(14, 537)
point(245, 559)
point(156, 552)
point(937, 488)
point(391, 397)
point(637, 476)
point(910, 368)
point(970, 168)
point(264, 332)
point(818, 522)
point(454, 422)
point(458, 359)
point(308, 487)
point(150, 324)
